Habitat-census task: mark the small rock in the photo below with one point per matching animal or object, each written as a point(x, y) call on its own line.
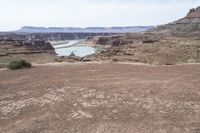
point(115, 111)
point(100, 96)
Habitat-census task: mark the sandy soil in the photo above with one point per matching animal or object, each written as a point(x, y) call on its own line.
point(101, 98)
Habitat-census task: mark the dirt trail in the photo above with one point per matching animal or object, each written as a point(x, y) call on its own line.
point(101, 98)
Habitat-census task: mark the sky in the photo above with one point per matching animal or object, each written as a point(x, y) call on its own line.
point(91, 13)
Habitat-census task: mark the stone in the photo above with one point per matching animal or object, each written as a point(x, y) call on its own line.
point(193, 13)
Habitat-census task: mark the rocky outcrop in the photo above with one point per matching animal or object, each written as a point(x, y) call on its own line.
point(38, 45)
point(125, 39)
point(193, 13)
point(187, 26)
point(17, 47)
point(70, 59)
point(113, 41)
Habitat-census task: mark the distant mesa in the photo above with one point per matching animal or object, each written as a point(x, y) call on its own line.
point(128, 29)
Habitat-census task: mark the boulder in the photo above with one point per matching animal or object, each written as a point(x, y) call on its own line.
point(103, 41)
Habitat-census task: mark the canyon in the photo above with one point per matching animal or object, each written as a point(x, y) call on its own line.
point(173, 43)
point(49, 36)
point(35, 47)
point(147, 82)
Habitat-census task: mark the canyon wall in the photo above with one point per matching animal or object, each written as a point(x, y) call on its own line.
point(187, 26)
point(50, 36)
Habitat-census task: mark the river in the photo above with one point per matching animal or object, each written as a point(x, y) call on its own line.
point(65, 48)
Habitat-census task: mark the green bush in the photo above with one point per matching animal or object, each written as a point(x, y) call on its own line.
point(13, 65)
point(25, 64)
point(19, 64)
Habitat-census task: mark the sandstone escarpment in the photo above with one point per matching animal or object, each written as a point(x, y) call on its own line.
point(50, 36)
point(38, 45)
point(194, 13)
point(119, 40)
point(32, 51)
point(16, 47)
point(187, 26)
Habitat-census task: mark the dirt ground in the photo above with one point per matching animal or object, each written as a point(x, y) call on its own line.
point(101, 98)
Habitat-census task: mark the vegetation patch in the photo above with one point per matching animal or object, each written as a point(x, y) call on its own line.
point(19, 64)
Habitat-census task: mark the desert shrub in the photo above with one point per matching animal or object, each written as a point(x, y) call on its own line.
point(25, 63)
point(13, 65)
point(19, 64)
point(115, 59)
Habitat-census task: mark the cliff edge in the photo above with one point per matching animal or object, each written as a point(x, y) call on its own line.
point(187, 26)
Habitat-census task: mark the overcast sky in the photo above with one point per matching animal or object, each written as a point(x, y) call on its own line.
point(89, 13)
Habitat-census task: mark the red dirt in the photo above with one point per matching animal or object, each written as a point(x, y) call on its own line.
point(101, 98)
